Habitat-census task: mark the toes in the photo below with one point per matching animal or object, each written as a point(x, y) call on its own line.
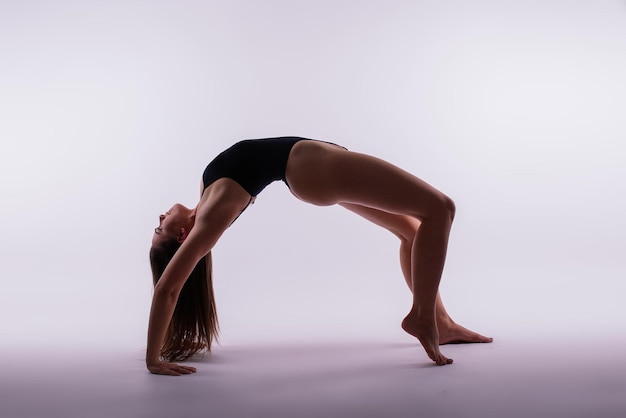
point(444, 360)
point(440, 359)
point(436, 356)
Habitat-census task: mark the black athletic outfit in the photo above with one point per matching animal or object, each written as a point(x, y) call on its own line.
point(253, 163)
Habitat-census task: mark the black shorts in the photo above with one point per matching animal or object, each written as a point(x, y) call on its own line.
point(252, 163)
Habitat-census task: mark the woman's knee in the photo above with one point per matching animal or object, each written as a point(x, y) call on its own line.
point(450, 207)
point(441, 207)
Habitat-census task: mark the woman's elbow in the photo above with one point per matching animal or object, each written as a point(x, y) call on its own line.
point(164, 292)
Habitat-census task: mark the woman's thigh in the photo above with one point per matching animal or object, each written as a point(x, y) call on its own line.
point(324, 174)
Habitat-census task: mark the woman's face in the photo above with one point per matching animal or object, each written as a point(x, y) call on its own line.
point(170, 223)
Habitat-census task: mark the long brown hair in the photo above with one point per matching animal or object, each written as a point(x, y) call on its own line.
point(194, 323)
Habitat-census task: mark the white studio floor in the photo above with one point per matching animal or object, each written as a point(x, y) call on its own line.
point(508, 378)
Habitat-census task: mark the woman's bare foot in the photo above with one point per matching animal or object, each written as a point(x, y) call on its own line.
point(453, 333)
point(428, 336)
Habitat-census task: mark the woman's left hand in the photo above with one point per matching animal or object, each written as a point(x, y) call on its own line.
point(171, 369)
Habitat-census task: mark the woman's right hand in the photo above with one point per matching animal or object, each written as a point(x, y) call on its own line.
point(171, 369)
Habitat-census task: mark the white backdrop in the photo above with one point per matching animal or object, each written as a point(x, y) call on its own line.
point(110, 110)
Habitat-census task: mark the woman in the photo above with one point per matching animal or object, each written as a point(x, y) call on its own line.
point(182, 317)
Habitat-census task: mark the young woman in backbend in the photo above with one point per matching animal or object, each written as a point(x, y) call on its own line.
point(183, 318)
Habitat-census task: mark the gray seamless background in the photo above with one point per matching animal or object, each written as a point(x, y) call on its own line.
point(109, 112)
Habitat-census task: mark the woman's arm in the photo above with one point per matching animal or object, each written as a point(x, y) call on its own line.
point(164, 301)
point(198, 243)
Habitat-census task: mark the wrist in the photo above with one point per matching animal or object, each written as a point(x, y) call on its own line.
point(152, 359)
